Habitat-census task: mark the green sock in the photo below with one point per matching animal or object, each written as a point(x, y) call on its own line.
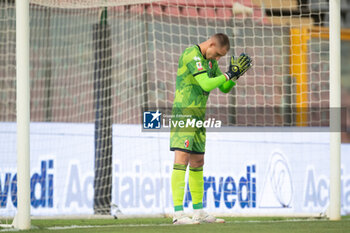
point(178, 185)
point(196, 183)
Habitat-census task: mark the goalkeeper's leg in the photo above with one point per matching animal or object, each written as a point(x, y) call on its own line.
point(178, 187)
point(196, 183)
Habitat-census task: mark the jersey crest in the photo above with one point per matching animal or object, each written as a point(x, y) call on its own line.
point(199, 66)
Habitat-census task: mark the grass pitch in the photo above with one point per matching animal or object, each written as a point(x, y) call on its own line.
point(155, 225)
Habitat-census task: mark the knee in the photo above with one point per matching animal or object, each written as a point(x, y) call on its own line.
point(181, 158)
point(199, 162)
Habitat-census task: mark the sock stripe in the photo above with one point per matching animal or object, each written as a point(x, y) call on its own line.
point(180, 167)
point(198, 206)
point(196, 169)
point(178, 208)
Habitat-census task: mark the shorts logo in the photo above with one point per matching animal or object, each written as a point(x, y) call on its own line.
point(199, 66)
point(151, 120)
point(187, 143)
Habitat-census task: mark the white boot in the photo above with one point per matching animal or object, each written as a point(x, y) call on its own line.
point(182, 219)
point(203, 217)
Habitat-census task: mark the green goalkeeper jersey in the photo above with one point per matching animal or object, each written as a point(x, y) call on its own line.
point(193, 70)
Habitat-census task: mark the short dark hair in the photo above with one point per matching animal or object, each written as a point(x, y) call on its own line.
point(222, 40)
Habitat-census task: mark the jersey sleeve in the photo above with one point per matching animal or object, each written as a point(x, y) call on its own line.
point(195, 64)
point(208, 84)
point(226, 86)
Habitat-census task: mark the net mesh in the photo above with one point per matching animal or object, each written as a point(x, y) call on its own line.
point(288, 84)
point(146, 42)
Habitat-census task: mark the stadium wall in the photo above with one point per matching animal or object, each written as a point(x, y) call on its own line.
point(245, 173)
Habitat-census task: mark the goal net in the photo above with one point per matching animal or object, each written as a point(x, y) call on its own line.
point(97, 66)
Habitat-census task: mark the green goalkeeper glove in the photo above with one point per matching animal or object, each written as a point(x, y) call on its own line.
point(238, 67)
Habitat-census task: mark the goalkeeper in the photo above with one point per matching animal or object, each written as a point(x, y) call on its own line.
point(198, 73)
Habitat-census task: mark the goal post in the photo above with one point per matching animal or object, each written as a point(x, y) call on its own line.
point(95, 66)
point(335, 113)
point(22, 219)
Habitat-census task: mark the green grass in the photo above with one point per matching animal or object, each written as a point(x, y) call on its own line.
point(156, 225)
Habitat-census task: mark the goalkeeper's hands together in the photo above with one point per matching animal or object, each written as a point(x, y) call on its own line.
point(238, 66)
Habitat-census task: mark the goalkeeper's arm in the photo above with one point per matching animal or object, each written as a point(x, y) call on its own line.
point(225, 81)
point(227, 86)
point(236, 69)
point(208, 84)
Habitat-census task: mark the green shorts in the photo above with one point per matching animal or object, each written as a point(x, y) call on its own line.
point(188, 140)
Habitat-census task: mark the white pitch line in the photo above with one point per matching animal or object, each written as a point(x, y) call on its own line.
point(164, 224)
point(161, 225)
point(106, 226)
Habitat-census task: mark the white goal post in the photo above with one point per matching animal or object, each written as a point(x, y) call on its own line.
point(22, 219)
point(335, 104)
point(91, 66)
